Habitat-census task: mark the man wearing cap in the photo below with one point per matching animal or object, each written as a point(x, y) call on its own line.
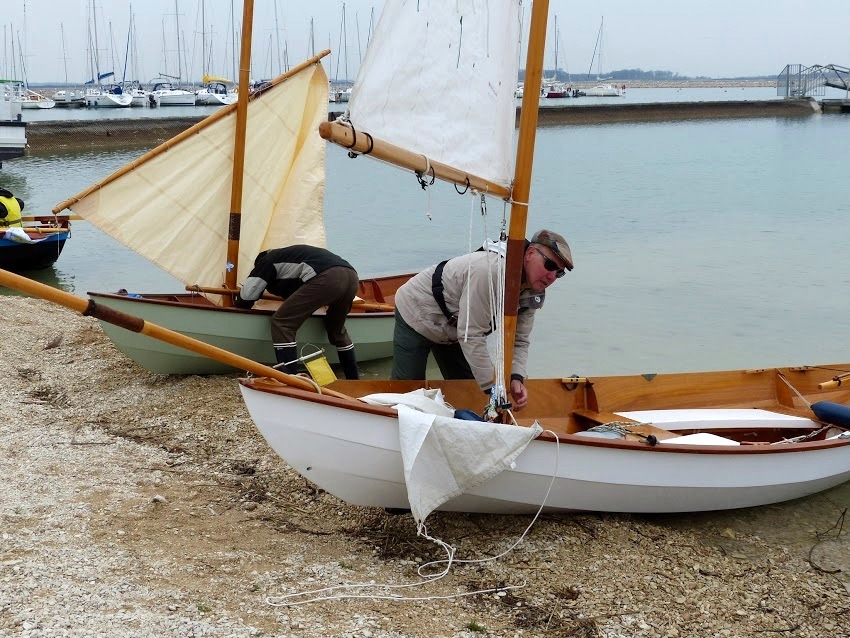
point(446, 310)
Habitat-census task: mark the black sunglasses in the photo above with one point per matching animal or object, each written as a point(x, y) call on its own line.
point(550, 264)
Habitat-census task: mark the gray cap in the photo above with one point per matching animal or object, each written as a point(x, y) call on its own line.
point(557, 243)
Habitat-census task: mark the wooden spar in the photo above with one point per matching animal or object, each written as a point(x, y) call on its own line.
point(235, 222)
point(51, 217)
point(88, 307)
point(362, 142)
point(522, 173)
point(358, 303)
point(224, 111)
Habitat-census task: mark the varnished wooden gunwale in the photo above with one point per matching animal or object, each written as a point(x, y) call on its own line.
point(378, 289)
point(551, 399)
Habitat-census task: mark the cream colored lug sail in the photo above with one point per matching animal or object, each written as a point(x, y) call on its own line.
point(174, 208)
point(439, 79)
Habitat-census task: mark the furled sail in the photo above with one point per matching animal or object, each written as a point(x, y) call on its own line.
point(439, 79)
point(174, 208)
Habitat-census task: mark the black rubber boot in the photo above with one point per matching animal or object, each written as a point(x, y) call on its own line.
point(348, 361)
point(284, 354)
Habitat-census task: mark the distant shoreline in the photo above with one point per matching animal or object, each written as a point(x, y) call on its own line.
point(678, 84)
point(704, 83)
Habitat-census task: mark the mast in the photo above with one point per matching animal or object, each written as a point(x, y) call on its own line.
point(556, 48)
point(277, 39)
point(203, 40)
point(95, 57)
point(64, 57)
point(239, 151)
point(522, 173)
point(179, 61)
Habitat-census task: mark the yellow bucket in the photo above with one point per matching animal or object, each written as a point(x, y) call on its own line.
point(318, 367)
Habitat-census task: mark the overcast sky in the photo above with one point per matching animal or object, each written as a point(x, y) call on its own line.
point(722, 38)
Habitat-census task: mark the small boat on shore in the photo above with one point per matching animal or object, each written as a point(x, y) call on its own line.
point(246, 332)
point(644, 443)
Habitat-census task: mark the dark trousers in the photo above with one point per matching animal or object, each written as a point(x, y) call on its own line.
point(335, 288)
point(411, 350)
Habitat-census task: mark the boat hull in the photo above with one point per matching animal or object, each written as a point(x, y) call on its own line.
point(243, 332)
point(354, 453)
point(19, 257)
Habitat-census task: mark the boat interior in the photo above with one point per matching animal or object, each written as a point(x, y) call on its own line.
point(747, 407)
point(375, 295)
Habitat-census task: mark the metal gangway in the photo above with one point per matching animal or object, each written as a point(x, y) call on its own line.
point(795, 80)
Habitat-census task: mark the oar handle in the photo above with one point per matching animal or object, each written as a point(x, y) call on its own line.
point(829, 385)
point(130, 322)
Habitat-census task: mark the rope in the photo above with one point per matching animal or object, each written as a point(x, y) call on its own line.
point(422, 530)
point(797, 392)
point(622, 428)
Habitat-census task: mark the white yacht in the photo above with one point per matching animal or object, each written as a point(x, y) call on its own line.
point(164, 94)
point(111, 96)
point(214, 93)
point(68, 97)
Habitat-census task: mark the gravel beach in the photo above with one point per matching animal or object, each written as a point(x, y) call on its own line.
point(142, 505)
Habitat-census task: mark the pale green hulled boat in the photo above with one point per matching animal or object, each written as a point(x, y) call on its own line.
point(243, 332)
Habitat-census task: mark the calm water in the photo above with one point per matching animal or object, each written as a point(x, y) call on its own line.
point(698, 245)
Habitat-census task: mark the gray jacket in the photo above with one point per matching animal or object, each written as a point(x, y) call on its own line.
point(467, 280)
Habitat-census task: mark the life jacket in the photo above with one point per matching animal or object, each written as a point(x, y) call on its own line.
point(10, 209)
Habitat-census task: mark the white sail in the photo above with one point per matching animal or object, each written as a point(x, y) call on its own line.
point(439, 79)
point(174, 209)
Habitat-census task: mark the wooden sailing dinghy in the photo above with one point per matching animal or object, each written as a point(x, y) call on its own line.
point(684, 442)
point(180, 205)
point(719, 441)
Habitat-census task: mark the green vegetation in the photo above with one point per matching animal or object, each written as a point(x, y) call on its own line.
point(474, 626)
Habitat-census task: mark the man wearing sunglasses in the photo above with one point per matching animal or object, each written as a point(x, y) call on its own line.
point(446, 310)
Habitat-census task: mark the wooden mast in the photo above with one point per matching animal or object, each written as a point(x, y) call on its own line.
point(522, 173)
point(235, 222)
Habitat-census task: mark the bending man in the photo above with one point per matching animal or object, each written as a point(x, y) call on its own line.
point(308, 278)
point(445, 310)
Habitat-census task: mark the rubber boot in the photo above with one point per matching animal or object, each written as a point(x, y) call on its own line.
point(284, 354)
point(348, 361)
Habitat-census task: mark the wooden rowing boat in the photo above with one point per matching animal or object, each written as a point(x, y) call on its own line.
point(721, 441)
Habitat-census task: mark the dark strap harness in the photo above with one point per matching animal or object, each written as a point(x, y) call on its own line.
point(437, 290)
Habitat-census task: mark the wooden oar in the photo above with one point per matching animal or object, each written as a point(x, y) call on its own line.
point(87, 307)
point(373, 306)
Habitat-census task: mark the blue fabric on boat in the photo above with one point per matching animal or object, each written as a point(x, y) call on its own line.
point(467, 415)
point(833, 413)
